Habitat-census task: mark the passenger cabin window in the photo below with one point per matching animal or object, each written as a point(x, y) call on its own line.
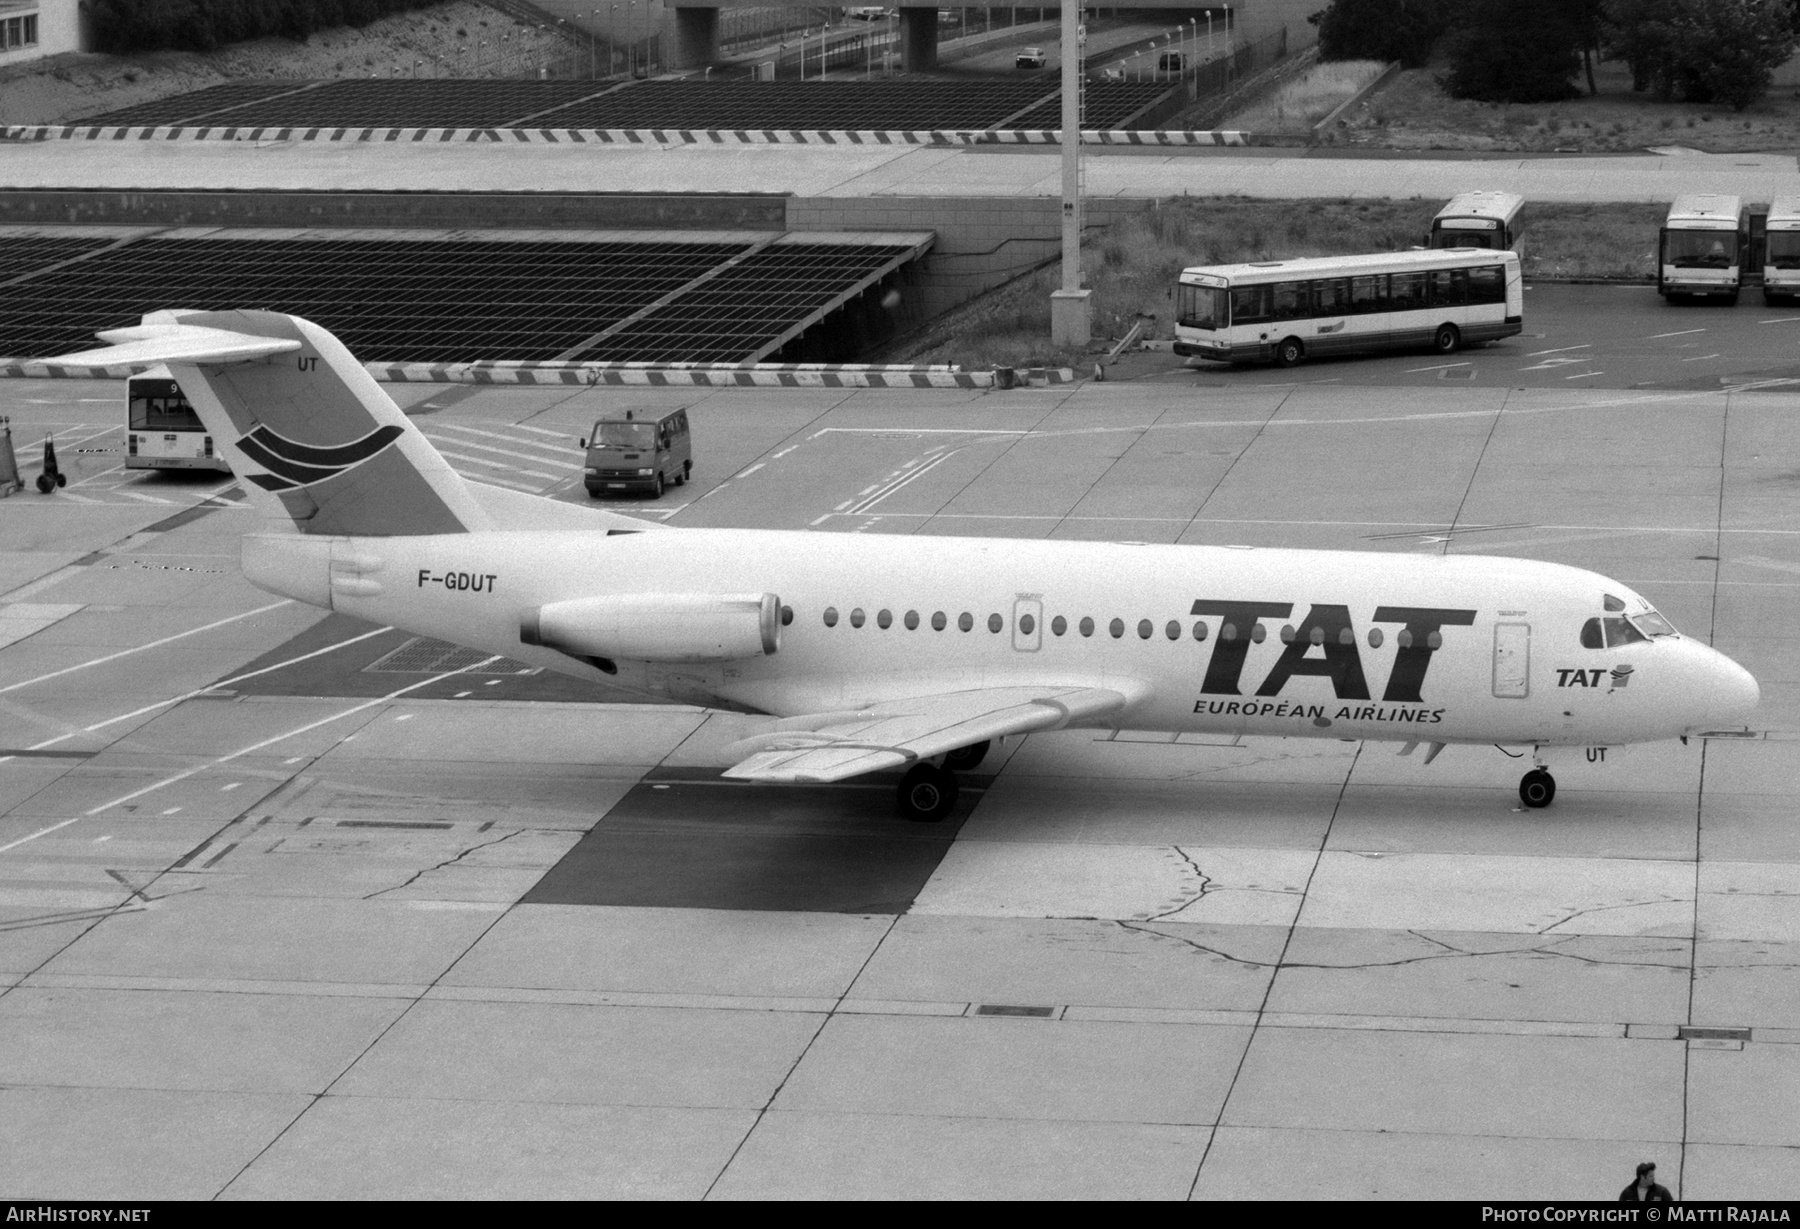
point(1251, 305)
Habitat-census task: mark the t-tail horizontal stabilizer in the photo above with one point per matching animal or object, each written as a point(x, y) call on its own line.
point(312, 435)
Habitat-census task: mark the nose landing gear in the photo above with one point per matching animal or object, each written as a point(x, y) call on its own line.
point(1537, 788)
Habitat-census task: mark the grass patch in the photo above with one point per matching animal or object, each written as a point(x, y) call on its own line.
point(1303, 102)
point(1413, 112)
point(1132, 266)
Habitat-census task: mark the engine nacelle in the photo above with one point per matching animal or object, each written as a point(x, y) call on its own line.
point(671, 627)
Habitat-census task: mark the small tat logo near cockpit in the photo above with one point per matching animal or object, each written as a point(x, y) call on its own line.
point(1619, 676)
point(293, 464)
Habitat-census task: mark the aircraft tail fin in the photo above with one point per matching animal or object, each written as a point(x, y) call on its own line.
point(314, 437)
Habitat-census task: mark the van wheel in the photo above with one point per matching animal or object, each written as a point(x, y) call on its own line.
point(687, 470)
point(1447, 340)
point(1289, 352)
point(656, 489)
point(1731, 299)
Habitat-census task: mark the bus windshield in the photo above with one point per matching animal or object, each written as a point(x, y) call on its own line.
point(158, 409)
point(624, 435)
point(1784, 249)
point(1700, 249)
point(1203, 307)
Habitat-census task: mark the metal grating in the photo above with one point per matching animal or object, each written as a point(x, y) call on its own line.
point(734, 314)
point(388, 300)
point(28, 253)
point(423, 655)
point(887, 105)
point(828, 105)
point(1107, 105)
point(186, 108)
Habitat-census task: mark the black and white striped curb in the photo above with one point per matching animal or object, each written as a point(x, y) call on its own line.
point(619, 136)
point(650, 375)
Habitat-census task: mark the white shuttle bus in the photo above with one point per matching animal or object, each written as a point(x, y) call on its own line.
point(1700, 251)
point(1781, 252)
point(1291, 310)
point(1479, 220)
point(162, 431)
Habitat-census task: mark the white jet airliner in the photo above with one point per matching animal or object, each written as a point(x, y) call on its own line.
point(914, 653)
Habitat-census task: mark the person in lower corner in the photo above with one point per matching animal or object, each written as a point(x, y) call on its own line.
point(1645, 1189)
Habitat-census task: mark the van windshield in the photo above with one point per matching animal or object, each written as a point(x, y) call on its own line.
point(624, 435)
point(1700, 249)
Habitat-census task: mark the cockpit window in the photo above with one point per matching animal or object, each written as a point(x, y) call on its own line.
point(1613, 605)
point(1591, 635)
point(1613, 631)
point(1653, 624)
point(1620, 631)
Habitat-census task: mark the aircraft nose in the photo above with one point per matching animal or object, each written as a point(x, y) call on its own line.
point(1731, 691)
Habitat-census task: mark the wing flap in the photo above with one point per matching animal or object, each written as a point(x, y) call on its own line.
point(898, 732)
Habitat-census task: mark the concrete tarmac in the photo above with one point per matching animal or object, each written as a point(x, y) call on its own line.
point(876, 170)
point(289, 909)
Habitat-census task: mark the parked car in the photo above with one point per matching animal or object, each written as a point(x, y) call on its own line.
point(1030, 57)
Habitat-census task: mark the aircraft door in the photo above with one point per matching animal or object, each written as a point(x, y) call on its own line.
point(1512, 660)
point(1028, 624)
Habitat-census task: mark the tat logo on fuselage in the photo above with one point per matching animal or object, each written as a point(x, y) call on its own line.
point(1328, 630)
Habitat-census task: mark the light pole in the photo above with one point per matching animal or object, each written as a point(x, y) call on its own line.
point(612, 25)
point(1070, 310)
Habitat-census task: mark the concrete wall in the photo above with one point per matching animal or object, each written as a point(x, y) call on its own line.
point(429, 210)
point(982, 242)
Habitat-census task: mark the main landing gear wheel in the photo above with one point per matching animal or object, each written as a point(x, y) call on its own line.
point(927, 793)
point(964, 758)
point(1537, 788)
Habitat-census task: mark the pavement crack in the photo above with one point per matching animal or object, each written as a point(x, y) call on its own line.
point(426, 870)
point(1630, 904)
point(1205, 886)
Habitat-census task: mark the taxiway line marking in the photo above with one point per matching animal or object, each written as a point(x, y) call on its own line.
point(905, 479)
point(1584, 375)
point(505, 452)
point(1560, 350)
point(495, 435)
point(269, 742)
point(154, 644)
point(1699, 358)
point(1439, 367)
point(1676, 333)
point(1780, 320)
point(199, 691)
point(519, 426)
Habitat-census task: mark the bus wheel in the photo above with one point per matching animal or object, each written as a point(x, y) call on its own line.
point(1447, 340)
point(1289, 351)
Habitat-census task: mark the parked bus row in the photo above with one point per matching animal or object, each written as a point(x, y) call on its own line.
point(1708, 244)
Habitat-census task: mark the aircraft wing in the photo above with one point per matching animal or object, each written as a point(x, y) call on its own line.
point(833, 746)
